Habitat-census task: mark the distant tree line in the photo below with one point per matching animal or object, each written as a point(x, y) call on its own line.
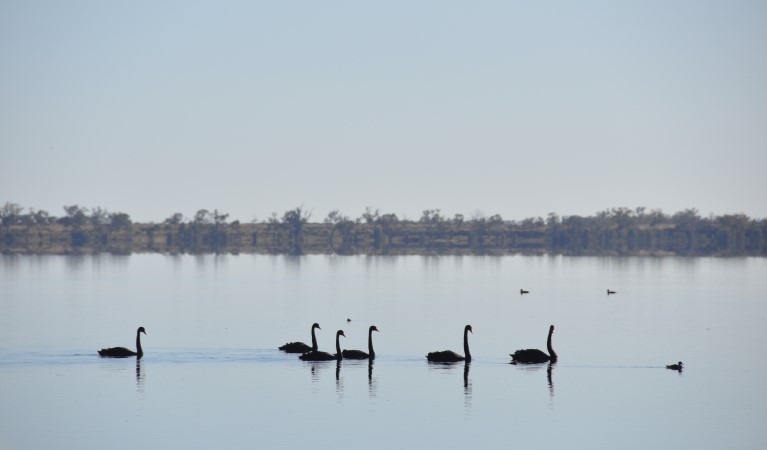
point(615, 231)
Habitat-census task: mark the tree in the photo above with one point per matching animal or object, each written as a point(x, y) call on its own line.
point(219, 219)
point(175, 219)
point(497, 219)
point(294, 220)
point(687, 219)
point(10, 213)
point(119, 220)
point(40, 217)
point(100, 216)
point(202, 217)
point(76, 216)
point(552, 219)
point(335, 217)
point(431, 216)
point(369, 216)
point(388, 219)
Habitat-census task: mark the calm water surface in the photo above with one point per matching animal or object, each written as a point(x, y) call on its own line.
point(211, 376)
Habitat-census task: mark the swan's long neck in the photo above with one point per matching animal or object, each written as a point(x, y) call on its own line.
point(466, 344)
point(371, 353)
point(338, 345)
point(552, 355)
point(314, 341)
point(139, 351)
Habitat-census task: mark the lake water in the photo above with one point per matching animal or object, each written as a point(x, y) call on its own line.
point(211, 376)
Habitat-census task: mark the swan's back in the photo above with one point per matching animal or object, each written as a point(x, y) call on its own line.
point(317, 356)
point(116, 352)
point(355, 354)
point(295, 347)
point(444, 356)
point(529, 356)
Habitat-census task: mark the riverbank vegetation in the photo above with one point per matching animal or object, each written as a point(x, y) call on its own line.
point(615, 231)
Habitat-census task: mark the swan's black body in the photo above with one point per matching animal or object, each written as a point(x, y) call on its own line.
point(678, 366)
point(300, 347)
point(522, 291)
point(535, 356)
point(122, 352)
point(316, 355)
point(610, 292)
point(451, 356)
point(359, 354)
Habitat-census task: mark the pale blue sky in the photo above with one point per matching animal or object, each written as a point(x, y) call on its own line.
point(515, 108)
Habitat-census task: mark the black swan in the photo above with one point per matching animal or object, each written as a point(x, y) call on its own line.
point(451, 356)
point(678, 366)
point(300, 347)
point(316, 355)
point(122, 352)
point(359, 354)
point(610, 292)
point(522, 291)
point(535, 356)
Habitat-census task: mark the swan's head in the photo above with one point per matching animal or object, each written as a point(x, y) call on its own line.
point(340, 333)
point(680, 363)
point(316, 325)
point(141, 330)
point(551, 329)
point(372, 328)
point(468, 328)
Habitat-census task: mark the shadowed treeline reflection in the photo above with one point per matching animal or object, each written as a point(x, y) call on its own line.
point(619, 231)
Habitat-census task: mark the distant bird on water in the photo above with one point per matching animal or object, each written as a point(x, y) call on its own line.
point(451, 356)
point(678, 366)
point(610, 292)
point(359, 354)
point(122, 352)
point(522, 291)
point(300, 347)
point(535, 356)
point(316, 355)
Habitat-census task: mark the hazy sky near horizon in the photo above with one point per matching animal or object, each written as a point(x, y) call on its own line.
point(504, 107)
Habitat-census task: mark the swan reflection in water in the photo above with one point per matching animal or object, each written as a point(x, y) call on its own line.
point(372, 383)
point(531, 368)
point(466, 384)
point(339, 382)
point(139, 375)
point(548, 377)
